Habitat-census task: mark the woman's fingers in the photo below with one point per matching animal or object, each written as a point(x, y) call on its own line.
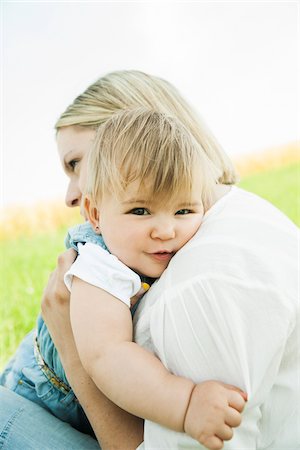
point(64, 262)
point(144, 288)
point(56, 291)
point(66, 259)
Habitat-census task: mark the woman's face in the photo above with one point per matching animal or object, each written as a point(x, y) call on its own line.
point(74, 143)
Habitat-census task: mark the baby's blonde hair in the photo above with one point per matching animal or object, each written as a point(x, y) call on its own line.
point(152, 149)
point(131, 89)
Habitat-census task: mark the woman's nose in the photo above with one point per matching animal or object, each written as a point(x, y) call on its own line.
point(73, 195)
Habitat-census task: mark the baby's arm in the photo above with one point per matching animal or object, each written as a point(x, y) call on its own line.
point(130, 376)
point(137, 381)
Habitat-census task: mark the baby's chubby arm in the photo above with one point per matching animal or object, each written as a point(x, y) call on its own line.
point(136, 380)
point(131, 377)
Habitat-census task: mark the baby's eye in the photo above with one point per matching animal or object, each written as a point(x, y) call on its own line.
point(139, 211)
point(183, 211)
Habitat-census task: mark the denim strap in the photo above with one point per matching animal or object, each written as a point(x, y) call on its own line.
point(49, 374)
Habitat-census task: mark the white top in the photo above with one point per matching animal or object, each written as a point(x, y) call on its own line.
point(100, 268)
point(226, 309)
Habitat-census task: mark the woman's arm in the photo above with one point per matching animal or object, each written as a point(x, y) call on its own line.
point(112, 425)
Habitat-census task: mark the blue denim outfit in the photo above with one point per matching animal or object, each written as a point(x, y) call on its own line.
point(35, 371)
point(24, 425)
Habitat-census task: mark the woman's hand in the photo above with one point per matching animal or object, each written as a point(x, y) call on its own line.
point(56, 304)
point(144, 288)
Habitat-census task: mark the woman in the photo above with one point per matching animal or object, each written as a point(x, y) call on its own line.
point(244, 328)
point(75, 132)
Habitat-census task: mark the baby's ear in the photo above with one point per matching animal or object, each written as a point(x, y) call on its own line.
point(93, 214)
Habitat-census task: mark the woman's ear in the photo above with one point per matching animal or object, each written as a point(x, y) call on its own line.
point(93, 214)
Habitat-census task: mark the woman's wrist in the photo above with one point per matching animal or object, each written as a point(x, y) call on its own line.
point(70, 359)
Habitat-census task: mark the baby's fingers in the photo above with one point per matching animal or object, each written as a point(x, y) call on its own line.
point(216, 442)
point(225, 433)
point(236, 401)
point(213, 443)
point(236, 389)
point(232, 417)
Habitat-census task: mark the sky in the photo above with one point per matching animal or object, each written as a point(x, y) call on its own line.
point(236, 63)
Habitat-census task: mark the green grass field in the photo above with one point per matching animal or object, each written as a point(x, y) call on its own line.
point(280, 186)
point(26, 262)
point(25, 267)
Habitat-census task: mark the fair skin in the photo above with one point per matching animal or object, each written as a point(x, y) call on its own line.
point(73, 144)
point(73, 157)
point(152, 231)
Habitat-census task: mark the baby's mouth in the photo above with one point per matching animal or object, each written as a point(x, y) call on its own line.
point(162, 255)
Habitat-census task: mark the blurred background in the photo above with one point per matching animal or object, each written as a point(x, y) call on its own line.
point(237, 63)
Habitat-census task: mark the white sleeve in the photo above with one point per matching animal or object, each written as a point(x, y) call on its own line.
point(100, 268)
point(229, 332)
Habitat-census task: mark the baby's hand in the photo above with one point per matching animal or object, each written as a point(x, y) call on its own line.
point(214, 409)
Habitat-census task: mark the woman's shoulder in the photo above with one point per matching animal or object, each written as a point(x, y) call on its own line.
point(244, 215)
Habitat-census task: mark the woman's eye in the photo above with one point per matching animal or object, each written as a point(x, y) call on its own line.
point(139, 211)
point(183, 211)
point(73, 163)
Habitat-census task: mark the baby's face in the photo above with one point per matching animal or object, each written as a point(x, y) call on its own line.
point(145, 234)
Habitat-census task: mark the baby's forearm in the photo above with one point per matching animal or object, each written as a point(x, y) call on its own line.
point(127, 374)
point(138, 382)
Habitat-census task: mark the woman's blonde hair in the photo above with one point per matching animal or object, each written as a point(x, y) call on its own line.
point(152, 149)
point(131, 89)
